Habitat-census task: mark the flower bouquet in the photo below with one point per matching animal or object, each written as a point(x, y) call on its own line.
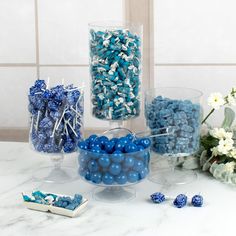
point(218, 151)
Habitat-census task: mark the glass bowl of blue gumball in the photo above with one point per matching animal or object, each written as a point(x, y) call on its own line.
point(113, 164)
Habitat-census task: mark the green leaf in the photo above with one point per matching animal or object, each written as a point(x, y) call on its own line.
point(229, 118)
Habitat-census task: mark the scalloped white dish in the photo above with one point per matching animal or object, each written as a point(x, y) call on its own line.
point(58, 210)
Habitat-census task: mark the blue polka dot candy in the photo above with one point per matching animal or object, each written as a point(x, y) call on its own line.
point(117, 156)
point(129, 161)
point(93, 166)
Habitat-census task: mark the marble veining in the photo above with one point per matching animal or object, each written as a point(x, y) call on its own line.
point(138, 217)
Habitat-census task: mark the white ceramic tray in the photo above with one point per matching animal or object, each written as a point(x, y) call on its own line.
point(57, 210)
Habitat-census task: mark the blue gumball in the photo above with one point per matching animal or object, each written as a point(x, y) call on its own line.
point(129, 162)
point(138, 165)
point(143, 173)
point(83, 160)
point(93, 166)
point(104, 161)
point(109, 146)
point(95, 152)
point(103, 140)
point(115, 168)
point(108, 179)
point(133, 176)
point(92, 138)
point(96, 177)
point(120, 145)
point(131, 147)
point(83, 145)
point(121, 178)
point(145, 142)
point(117, 156)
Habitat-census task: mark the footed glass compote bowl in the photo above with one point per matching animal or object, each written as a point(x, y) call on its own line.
point(179, 108)
point(114, 164)
point(56, 122)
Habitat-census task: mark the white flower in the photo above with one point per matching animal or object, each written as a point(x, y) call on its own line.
point(233, 153)
point(216, 100)
point(220, 133)
point(229, 167)
point(214, 151)
point(231, 100)
point(225, 145)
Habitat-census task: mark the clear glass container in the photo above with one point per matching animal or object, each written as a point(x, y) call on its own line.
point(115, 69)
point(114, 173)
point(181, 109)
point(56, 126)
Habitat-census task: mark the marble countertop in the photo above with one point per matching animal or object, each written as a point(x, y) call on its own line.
point(137, 217)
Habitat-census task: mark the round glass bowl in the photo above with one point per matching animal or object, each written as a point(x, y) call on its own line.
point(179, 108)
point(115, 70)
point(56, 126)
point(113, 172)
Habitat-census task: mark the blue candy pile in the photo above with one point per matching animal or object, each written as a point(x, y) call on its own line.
point(180, 201)
point(115, 71)
point(55, 200)
point(114, 161)
point(68, 202)
point(184, 116)
point(56, 117)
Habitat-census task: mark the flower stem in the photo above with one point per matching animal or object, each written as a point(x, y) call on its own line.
point(204, 120)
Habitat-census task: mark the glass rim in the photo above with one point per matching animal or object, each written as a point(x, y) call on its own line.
point(200, 93)
point(110, 154)
point(113, 24)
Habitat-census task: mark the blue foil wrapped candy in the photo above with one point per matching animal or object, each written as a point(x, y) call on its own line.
point(56, 117)
point(158, 197)
point(197, 201)
point(115, 63)
point(180, 201)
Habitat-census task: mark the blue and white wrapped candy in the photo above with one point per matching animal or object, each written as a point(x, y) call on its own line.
point(115, 67)
point(56, 117)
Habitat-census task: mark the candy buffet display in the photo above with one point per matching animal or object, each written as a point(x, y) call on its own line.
point(179, 108)
point(113, 163)
point(56, 117)
point(55, 203)
point(115, 67)
point(56, 123)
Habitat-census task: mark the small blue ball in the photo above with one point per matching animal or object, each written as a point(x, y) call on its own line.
point(133, 176)
point(143, 173)
point(108, 179)
point(197, 201)
point(117, 156)
point(120, 146)
point(95, 152)
point(92, 137)
point(145, 142)
point(104, 161)
point(180, 201)
point(115, 169)
point(93, 166)
point(121, 178)
point(96, 177)
point(131, 147)
point(138, 165)
point(109, 146)
point(83, 145)
point(129, 162)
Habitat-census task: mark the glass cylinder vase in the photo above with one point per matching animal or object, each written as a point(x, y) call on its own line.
point(115, 69)
point(179, 108)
